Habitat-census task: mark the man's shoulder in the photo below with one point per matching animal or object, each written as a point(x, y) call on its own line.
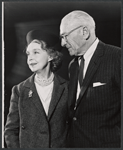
point(115, 48)
point(109, 50)
point(113, 51)
point(110, 46)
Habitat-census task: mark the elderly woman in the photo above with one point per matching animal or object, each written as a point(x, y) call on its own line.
point(38, 107)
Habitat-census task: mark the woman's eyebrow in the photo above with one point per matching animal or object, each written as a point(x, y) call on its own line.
point(37, 49)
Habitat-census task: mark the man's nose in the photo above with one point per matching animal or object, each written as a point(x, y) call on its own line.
point(63, 42)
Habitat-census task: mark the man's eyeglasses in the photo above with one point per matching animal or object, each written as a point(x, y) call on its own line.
point(64, 36)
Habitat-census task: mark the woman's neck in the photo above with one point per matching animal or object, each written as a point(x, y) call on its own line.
point(45, 74)
point(44, 80)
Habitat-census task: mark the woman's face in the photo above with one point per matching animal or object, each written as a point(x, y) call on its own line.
point(37, 58)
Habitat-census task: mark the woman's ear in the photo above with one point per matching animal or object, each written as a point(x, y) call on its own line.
point(50, 58)
point(86, 33)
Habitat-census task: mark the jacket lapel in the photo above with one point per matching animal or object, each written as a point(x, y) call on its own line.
point(93, 65)
point(33, 95)
point(57, 92)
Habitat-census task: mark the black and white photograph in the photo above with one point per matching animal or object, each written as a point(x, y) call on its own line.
point(61, 75)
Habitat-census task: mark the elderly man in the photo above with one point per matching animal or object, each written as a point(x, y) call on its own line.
point(95, 85)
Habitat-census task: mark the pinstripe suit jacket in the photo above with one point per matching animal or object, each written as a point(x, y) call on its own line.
point(28, 126)
point(96, 121)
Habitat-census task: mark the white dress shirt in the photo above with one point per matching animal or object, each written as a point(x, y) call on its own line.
point(45, 94)
point(87, 57)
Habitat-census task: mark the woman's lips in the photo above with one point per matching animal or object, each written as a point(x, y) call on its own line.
point(32, 64)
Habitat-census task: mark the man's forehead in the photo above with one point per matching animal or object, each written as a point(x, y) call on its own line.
point(67, 25)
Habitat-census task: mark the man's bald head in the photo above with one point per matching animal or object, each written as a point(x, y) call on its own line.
point(77, 18)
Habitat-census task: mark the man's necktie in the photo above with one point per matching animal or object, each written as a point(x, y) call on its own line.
point(74, 70)
point(80, 75)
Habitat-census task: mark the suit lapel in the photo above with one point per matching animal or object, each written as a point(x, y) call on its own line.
point(93, 65)
point(57, 92)
point(33, 95)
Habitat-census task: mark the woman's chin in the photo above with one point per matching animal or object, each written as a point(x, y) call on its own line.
point(33, 70)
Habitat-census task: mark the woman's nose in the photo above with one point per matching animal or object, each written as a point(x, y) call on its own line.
point(30, 57)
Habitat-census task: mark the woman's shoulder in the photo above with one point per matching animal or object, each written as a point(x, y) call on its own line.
point(61, 79)
point(27, 82)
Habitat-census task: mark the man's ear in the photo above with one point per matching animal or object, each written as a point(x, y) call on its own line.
point(86, 33)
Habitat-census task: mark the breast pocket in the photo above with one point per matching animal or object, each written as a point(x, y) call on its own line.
point(97, 91)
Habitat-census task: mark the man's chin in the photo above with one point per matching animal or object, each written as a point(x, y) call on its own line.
point(71, 54)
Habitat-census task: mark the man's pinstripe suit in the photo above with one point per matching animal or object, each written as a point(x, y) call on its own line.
point(96, 121)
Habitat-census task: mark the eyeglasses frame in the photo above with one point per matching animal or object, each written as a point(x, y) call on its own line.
point(64, 36)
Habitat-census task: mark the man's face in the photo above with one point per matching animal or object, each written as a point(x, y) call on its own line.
point(71, 38)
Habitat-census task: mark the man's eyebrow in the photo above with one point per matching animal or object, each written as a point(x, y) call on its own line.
point(62, 33)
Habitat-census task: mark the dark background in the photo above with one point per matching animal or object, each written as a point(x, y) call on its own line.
point(20, 17)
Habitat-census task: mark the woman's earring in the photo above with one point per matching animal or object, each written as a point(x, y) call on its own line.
point(50, 58)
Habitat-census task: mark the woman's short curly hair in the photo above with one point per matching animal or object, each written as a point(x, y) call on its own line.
point(56, 62)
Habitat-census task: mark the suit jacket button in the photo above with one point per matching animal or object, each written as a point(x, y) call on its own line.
point(74, 118)
point(74, 108)
point(51, 146)
point(22, 127)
